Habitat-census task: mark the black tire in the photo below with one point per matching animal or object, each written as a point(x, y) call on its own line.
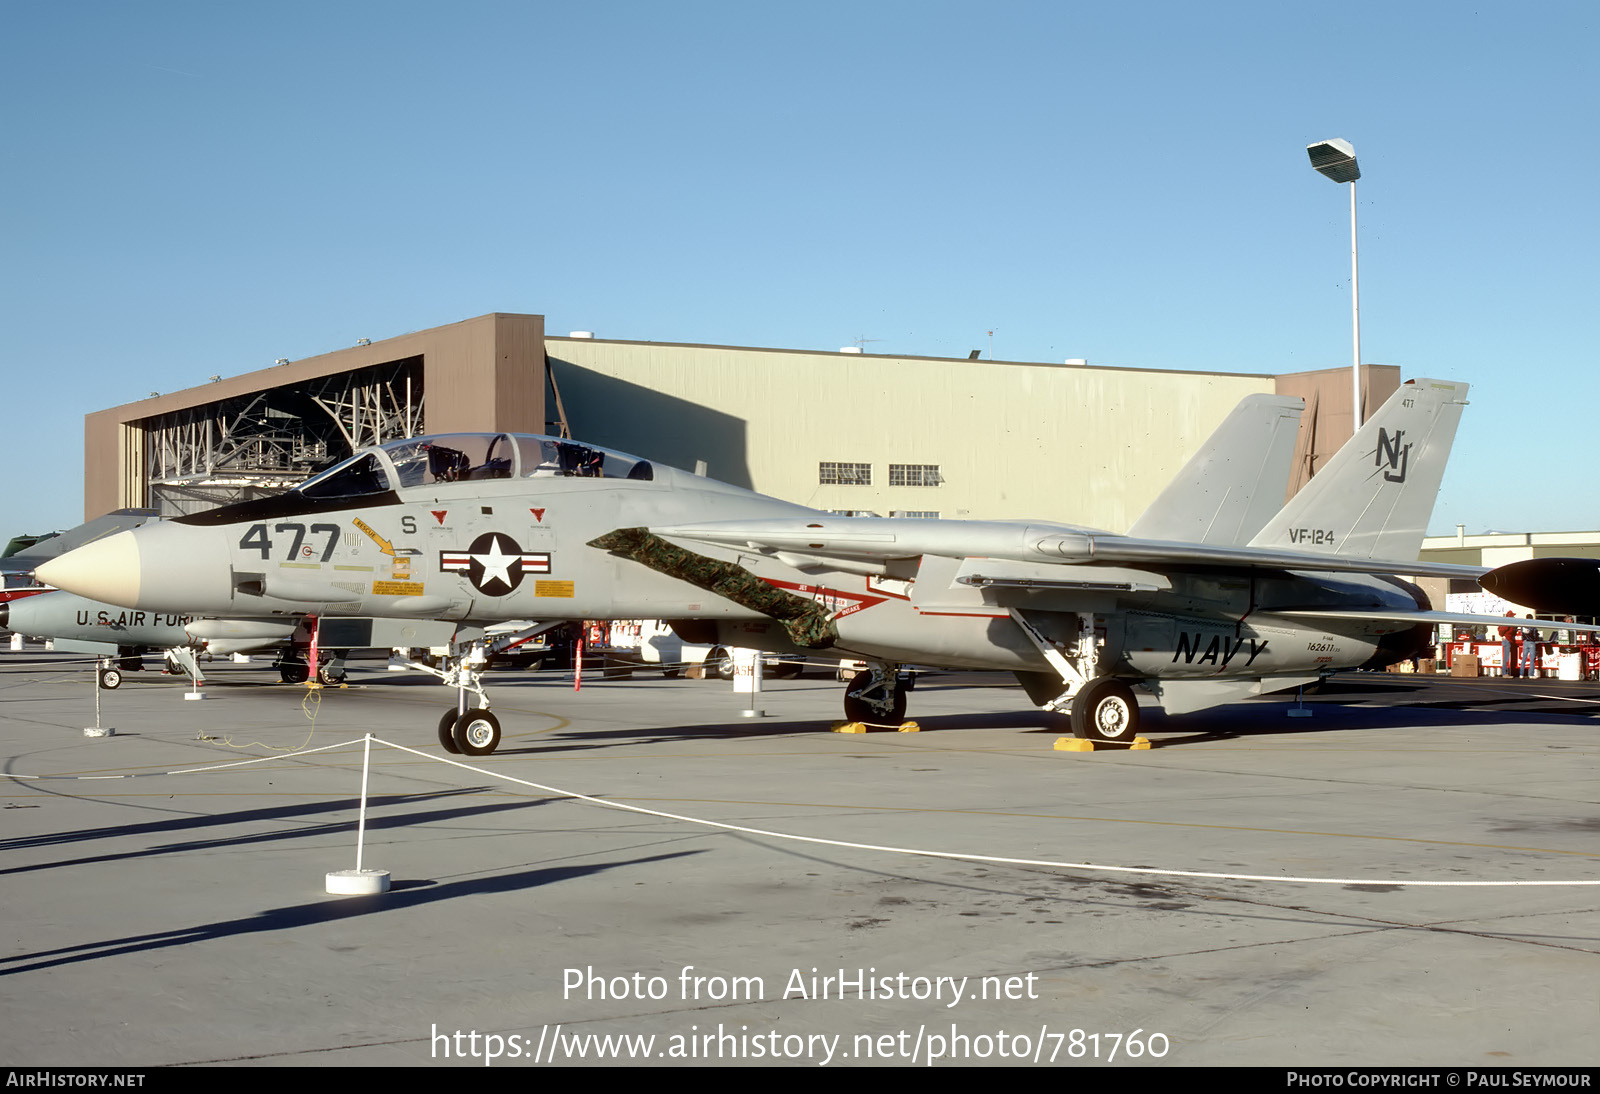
point(110, 679)
point(327, 674)
point(1105, 710)
point(447, 731)
point(477, 733)
point(719, 663)
point(868, 709)
point(294, 672)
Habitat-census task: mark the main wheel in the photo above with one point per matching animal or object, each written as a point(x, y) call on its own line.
point(477, 733)
point(1105, 710)
point(447, 731)
point(882, 705)
point(294, 672)
point(722, 661)
point(327, 674)
point(110, 678)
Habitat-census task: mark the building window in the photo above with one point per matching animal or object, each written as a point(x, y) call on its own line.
point(914, 474)
point(844, 474)
point(852, 512)
point(918, 514)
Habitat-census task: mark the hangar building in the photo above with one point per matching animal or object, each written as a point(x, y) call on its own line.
point(845, 431)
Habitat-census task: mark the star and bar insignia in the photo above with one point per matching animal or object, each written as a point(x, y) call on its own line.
point(495, 564)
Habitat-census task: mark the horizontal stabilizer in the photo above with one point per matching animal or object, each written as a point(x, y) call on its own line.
point(1465, 619)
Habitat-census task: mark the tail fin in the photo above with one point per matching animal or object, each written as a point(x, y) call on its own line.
point(1374, 498)
point(1231, 487)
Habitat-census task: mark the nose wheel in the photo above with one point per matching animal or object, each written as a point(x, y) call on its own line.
point(464, 729)
point(447, 731)
point(476, 733)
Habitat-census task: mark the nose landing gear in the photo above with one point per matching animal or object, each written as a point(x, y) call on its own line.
point(465, 729)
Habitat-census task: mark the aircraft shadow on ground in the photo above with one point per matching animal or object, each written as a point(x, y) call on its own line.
point(571, 740)
point(1333, 713)
point(1262, 719)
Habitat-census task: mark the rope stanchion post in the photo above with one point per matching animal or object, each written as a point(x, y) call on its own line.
point(360, 881)
point(97, 730)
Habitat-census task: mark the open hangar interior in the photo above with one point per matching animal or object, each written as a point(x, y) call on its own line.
point(843, 430)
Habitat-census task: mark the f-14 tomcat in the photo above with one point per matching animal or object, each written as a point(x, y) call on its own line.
point(1214, 595)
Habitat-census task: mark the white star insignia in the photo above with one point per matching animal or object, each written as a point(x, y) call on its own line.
point(497, 564)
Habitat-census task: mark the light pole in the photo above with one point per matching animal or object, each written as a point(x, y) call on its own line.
point(1336, 159)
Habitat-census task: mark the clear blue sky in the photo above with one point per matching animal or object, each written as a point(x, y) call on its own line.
point(200, 188)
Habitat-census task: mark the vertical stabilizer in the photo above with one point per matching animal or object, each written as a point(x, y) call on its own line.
point(1375, 496)
point(1234, 484)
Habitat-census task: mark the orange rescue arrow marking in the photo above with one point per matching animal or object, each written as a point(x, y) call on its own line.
point(383, 545)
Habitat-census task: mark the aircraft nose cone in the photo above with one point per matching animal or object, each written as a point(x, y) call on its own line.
point(107, 569)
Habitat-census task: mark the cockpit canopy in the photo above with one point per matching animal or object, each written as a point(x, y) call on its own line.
point(461, 457)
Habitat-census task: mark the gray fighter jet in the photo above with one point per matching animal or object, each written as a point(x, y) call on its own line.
point(1208, 599)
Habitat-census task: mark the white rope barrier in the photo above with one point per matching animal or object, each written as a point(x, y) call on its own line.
point(767, 833)
point(179, 770)
point(964, 856)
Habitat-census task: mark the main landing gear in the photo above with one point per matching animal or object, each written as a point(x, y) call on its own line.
point(1101, 708)
point(110, 669)
point(1105, 710)
point(294, 669)
point(877, 697)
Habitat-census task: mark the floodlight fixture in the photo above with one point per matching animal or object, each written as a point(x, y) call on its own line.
point(1334, 159)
